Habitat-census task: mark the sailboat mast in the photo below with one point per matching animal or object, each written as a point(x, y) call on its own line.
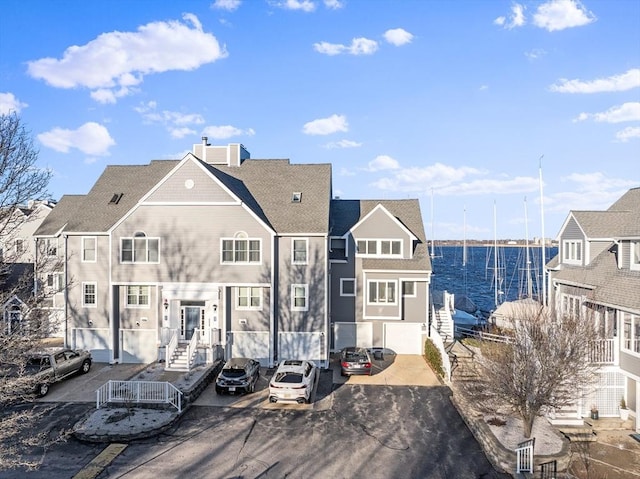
point(464, 238)
point(543, 244)
point(495, 257)
point(528, 266)
point(432, 228)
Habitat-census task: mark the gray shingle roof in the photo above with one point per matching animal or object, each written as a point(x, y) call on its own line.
point(267, 187)
point(346, 213)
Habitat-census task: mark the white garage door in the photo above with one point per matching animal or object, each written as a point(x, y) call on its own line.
point(403, 338)
point(139, 346)
point(301, 346)
point(253, 345)
point(95, 340)
point(352, 334)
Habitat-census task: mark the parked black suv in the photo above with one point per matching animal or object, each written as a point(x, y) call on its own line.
point(238, 375)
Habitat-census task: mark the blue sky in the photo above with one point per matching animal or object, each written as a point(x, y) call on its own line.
point(458, 103)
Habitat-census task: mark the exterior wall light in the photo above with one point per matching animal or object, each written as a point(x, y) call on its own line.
point(166, 304)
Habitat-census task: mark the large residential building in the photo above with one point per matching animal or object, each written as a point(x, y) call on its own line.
point(597, 273)
point(221, 255)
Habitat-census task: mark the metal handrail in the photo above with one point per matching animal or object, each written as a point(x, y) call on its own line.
point(192, 346)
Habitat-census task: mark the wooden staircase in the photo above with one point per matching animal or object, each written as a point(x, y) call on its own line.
point(179, 361)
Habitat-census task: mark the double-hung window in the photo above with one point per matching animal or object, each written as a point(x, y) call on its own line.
point(347, 287)
point(382, 292)
point(299, 248)
point(299, 297)
point(409, 288)
point(241, 250)
point(89, 295)
point(89, 250)
point(137, 296)
point(249, 297)
point(54, 282)
point(631, 333)
point(140, 249)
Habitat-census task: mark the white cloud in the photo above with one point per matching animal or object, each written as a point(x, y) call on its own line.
point(535, 53)
point(229, 5)
point(628, 133)
point(342, 144)
point(304, 5)
point(588, 191)
point(383, 162)
point(91, 139)
point(629, 111)
point(10, 104)
point(359, 46)
point(515, 19)
point(115, 62)
point(226, 131)
point(622, 82)
point(176, 123)
point(333, 4)
point(398, 36)
point(560, 14)
point(346, 172)
point(326, 126)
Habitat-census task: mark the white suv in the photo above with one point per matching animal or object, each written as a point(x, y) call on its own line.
point(294, 380)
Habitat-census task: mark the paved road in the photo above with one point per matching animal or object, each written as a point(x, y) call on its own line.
point(368, 431)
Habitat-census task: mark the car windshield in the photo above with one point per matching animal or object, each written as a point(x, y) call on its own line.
point(288, 378)
point(233, 372)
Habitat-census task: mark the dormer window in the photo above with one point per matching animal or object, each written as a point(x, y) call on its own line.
point(635, 255)
point(296, 197)
point(379, 247)
point(572, 252)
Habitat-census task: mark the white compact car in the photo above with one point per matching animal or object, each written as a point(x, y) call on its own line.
point(293, 381)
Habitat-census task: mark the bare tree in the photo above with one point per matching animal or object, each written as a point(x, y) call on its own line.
point(544, 366)
point(21, 180)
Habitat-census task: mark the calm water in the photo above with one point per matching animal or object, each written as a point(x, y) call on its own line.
point(476, 278)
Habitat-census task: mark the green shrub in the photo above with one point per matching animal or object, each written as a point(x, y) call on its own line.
point(433, 357)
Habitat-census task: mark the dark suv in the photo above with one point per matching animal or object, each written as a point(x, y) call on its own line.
point(238, 375)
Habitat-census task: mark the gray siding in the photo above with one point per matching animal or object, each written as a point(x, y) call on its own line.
point(190, 245)
point(379, 225)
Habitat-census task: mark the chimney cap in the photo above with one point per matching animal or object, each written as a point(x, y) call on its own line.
point(204, 141)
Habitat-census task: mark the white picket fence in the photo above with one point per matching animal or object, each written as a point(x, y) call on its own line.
point(524, 456)
point(137, 392)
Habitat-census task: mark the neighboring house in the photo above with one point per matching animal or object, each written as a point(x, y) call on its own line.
point(221, 255)
point(17, 261)
point(597, 273)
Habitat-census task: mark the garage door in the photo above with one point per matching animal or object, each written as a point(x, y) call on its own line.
point(246, 344)
point(139, 346)
point(301, 346)
point(95, 340)
point(352, 334)
point(403, 338)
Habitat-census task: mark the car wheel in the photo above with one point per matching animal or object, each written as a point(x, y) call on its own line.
point(273, 399)
point(86, 365)
point(251, 387)
point(43, 389)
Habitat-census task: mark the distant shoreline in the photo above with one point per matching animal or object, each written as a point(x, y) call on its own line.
point(507, 243)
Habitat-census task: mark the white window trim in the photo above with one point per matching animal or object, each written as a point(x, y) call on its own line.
point(635, 319)
point(344, 280)
point(90, 305)
point(95, 249)
point(306, 297)
point(379, 248)
point(137, 305)
point(249, 307)
point(379, 303)
point(415, 288)
point(306, 251)
point(632, 250)
point(133, 238)
point(237, 238)
point(569, 260)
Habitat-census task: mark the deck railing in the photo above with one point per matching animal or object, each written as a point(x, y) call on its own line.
point(524, 456)
point(481, 335)
point(602, 351)
point(171, 346)
point(139, 392)
point(192, 347)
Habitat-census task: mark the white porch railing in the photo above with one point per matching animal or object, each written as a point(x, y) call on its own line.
point(524, 456)
point(171, 346)
point(602, 351)
point(439, 344)
point(149, 392)
point(192, 347)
